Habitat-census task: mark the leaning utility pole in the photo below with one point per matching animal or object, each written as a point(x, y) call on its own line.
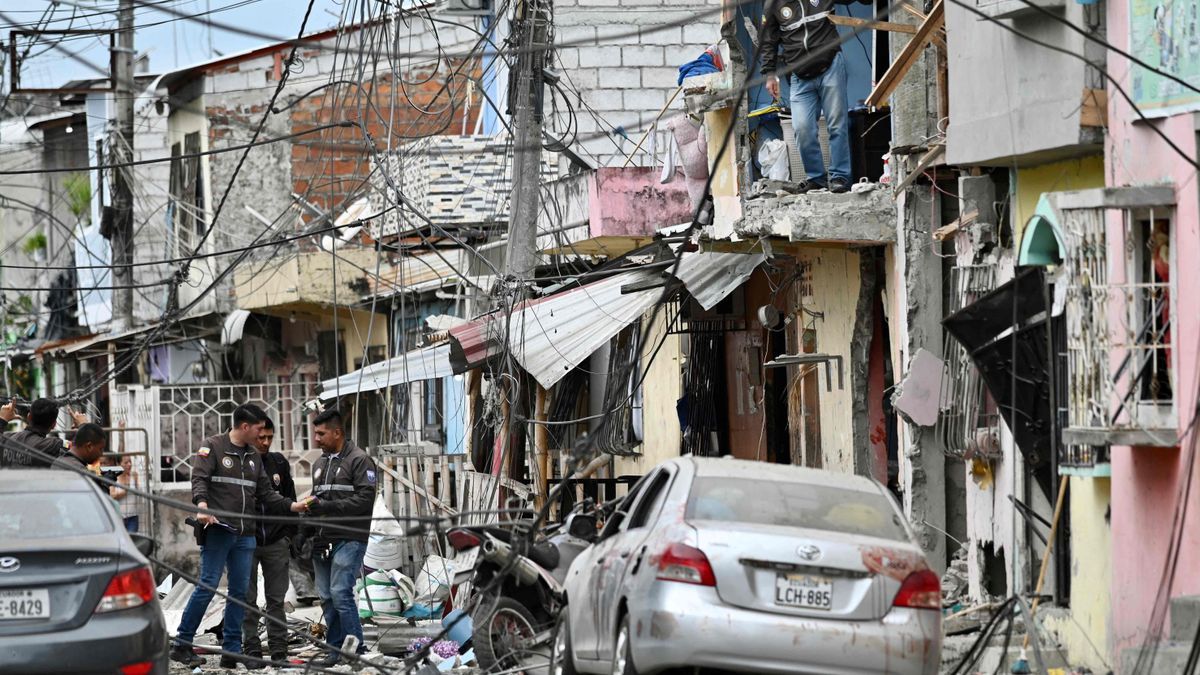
point(531, 30)
point(122, 153)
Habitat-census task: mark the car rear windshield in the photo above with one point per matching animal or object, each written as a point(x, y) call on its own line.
point(42, 515)
point(788, 504)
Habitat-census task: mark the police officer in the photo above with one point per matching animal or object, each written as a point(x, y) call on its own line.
point(228, 476)
point(343, 485)
point(273, 553)
point(37, 434)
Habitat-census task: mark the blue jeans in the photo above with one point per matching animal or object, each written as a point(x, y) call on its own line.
point(810, 97)
point(335, 586)
point(131, 523)
point(221, 549)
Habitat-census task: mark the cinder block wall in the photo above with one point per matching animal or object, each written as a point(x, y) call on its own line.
point(620, 59)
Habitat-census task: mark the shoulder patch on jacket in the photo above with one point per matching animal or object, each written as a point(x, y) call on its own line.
point(370, 476)
point(204, 451)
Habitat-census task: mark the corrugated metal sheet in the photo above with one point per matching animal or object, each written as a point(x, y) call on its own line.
point(427, 363)
point(550, 336)
point(709, 277)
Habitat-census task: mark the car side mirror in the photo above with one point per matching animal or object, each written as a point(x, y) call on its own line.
point(582, 526)
point(613, 525)
point(145, 545)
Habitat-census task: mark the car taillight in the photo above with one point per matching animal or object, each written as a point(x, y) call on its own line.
point(132, 588)
point(462, 540)
point(140, 668)
point(921, 590)
point(686, 564)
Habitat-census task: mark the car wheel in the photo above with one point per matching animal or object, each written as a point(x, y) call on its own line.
point(499, 634)
point(622, 663)
point(561, 660)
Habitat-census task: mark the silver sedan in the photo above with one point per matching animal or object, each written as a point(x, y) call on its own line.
point(751, 567)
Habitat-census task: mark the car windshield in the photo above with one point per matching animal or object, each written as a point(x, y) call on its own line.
point(42, 515)
point(807, 505)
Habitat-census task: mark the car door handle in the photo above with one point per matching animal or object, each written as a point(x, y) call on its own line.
point(625, 555)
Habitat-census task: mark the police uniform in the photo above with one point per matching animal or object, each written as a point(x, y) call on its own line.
point(273, 553)
point(344, 486)
point(229, 478)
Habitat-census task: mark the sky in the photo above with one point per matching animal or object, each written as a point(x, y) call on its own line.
point(170, 40)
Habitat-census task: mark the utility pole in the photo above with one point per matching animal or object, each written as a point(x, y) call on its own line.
point(122, 152)
point(531, 28)
point(531, 35)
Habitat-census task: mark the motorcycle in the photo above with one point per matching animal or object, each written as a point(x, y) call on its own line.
point(518, 583)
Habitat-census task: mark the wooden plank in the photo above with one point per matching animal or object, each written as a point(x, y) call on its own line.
point(908, 56)
point(943, 84)
point(876, 25)
point(1094, 112)
point(925, 162)
point(541, 444)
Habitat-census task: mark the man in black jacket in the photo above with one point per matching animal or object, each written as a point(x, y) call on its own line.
point(228, 476)
point(37, 435)
point(343, 485)
point(816, 71)
point(273, 553)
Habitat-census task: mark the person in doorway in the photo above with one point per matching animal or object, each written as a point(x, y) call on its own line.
point(86, 450)
point(272, 553)
point(35, 446)
point(800, 43)
point(227, 476)
point(343, 485)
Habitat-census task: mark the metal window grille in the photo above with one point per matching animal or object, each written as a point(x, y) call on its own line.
point(1119, 327)
point(968, 423)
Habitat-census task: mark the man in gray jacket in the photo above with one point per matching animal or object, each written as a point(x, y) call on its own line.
point(228, 476)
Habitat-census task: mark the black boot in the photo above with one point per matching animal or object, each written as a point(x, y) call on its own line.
point(230, 662)
point(186, 656)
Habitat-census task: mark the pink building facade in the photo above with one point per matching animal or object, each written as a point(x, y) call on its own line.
point(1150, 483)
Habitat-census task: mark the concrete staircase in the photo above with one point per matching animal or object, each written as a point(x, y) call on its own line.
point(1171, 656)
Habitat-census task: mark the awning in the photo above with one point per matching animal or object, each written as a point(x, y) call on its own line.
point(550, 336)
point(427, 363)
point(235, 325)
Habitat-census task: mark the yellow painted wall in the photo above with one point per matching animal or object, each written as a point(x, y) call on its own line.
point(1085, 630)
point(357, 328)
point(1071, 174)
point(660, 390)
point(834, 292)
point(1084, 633)
point(727, 204)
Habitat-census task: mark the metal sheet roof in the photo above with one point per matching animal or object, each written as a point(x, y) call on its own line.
point(709, 277)
point(550, 336)
point(426, 363)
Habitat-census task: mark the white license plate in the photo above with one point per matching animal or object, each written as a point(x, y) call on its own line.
point(803, 591)
point(26, 603)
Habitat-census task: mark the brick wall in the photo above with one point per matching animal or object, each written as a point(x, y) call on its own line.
point(622, 58)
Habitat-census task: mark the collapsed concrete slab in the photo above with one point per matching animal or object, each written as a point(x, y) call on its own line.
point(852, 218)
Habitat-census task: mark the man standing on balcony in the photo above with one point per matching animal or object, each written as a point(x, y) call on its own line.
point(272, 553)
point(799, 42)
point(228, 476)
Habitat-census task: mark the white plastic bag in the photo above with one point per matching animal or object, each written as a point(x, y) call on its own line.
point(773, 160)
